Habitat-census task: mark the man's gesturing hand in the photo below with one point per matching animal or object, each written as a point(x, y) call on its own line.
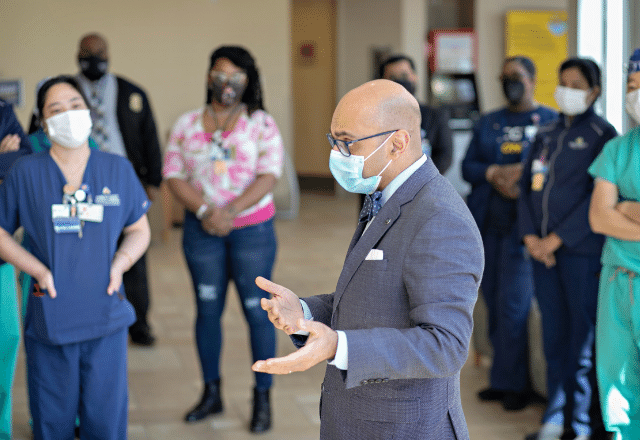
point(284, 307)
point(321, 345)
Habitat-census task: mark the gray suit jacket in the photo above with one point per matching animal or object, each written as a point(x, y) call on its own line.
point(407, 317)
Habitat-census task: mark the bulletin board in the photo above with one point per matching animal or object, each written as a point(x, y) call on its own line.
point(453, 50)
point(541, 36)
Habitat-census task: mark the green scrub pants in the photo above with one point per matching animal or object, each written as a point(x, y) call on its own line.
point(9, 343)
point(618, 351)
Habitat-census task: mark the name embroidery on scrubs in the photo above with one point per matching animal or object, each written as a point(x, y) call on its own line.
point(515, 138)
point(108, 199)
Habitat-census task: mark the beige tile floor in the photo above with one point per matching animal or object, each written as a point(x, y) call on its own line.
point(164, 381)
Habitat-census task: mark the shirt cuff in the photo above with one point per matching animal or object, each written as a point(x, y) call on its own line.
point(341, 360)
point(307, 316)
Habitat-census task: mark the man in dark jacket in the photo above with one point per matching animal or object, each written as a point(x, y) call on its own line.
point(123, 124)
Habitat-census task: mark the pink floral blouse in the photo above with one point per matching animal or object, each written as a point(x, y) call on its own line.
point(222, 171)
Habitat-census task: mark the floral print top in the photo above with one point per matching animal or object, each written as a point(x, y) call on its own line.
point(222, 165)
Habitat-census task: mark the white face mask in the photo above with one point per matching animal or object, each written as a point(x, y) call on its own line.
point(571, 101)
point(70, 129)
point(632, 104)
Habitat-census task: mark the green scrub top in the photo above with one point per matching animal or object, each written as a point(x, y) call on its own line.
point(619, 163)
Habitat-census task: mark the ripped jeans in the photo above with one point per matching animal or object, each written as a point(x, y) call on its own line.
point(241, 256)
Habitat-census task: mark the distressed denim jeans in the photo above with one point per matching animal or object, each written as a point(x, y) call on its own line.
point(243, 255)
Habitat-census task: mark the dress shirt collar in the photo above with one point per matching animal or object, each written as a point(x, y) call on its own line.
point(400, 179)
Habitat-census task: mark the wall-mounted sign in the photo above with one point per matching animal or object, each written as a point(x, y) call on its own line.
point(307, 52)
point(11, 91)
point(541, 36)
point(452, 50)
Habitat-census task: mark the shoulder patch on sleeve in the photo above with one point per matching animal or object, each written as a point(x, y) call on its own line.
point(135, 102)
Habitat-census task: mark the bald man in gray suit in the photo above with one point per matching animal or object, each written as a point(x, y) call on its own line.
point(396, 330)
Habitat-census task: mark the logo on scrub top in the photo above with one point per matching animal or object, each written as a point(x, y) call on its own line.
point(578, 144)
point(511, 148)
point(108, 199)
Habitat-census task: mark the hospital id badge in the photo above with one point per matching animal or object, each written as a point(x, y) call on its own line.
point(60, 211)
point(90, 212)
point(539, 170)
point(65, 225)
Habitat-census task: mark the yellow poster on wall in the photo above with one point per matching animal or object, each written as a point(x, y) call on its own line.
point(541, 36)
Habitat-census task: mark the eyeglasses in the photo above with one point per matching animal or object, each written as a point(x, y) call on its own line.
point(237, 78)
point(343, 146)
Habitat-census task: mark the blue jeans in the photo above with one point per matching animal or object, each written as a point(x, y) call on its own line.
point(567, 295)
point(507, 288)
point(241, 256)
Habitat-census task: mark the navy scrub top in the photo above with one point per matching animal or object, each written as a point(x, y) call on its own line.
point(82, 309)
point(502, 137)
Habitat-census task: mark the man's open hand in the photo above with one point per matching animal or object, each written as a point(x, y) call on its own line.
point(321, 345)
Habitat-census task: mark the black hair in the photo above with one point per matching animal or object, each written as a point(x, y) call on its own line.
point(42, 92)
point(588, 68)
point(394, 59)
point(239, 56)
point(525, 62)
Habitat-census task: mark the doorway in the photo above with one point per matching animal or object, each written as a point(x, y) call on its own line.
point(313, 42)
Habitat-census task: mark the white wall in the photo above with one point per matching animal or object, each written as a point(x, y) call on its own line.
point(489, 19)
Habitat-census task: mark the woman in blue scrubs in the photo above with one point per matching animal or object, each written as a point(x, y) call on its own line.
point(74, 203)
point(552, 214)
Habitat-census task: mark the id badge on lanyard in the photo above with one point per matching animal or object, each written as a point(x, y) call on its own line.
point(77, 207)
point(539, 172)
point(220, 157)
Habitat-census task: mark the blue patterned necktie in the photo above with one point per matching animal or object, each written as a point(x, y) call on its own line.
point(371, 206)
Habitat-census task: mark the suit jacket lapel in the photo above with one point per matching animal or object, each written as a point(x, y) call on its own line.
point(356, 236)
point(362, 243)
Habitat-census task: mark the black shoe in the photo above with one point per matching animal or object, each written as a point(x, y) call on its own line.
point(143, 338)
point(491, 395)
point(514, 401)
point(211, 403)
point(261, 420)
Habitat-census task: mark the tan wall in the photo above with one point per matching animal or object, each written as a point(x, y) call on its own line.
point(163, 45)
point(489, 21)
point(362, 25)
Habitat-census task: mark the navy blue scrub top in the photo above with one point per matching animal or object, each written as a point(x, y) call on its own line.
point(501, 137)
point(82, 309)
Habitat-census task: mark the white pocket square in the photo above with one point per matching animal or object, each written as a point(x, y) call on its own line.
point(375, 254)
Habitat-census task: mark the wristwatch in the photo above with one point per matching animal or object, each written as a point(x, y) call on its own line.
point(201, 210)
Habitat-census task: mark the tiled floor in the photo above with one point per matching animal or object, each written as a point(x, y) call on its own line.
point(164, 381)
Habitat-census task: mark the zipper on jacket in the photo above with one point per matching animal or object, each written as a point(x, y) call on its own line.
point(547, 190)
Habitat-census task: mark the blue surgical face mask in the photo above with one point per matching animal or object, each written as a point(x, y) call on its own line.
point(348, 171)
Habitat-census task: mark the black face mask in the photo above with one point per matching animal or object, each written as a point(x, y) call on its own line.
point(226, 94)
point(93, 67)
point(411, 87)
point(513, 91)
